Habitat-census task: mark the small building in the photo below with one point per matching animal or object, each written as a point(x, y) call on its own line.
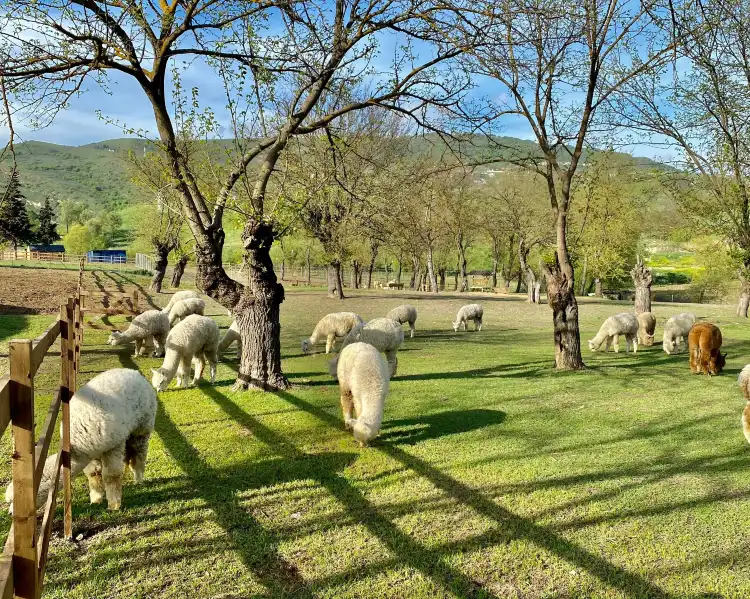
point(107, 256)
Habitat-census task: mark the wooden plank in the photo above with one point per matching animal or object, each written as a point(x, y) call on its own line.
point(41, 344)
point(67, 389)
point(4, 404)
point(24, 496)
point(6, 568)
point(48, 431)
point(46, 531)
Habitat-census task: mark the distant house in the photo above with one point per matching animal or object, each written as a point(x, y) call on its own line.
point(107, 256)
point(46, 252)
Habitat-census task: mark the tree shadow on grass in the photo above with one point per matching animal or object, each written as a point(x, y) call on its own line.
point(510, 526)
point(409, 431)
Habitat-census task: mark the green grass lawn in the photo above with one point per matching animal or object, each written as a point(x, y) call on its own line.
point(494, 476)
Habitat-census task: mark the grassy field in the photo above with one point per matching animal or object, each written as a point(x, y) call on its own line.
point(494, 475)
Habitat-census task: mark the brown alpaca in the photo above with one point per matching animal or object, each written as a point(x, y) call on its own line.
point(704, 342)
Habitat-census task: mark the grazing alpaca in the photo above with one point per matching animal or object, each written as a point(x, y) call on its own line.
point(363, 378)
point(625, 324)
point(186, 307)
point(675, 331)
point(331, 327)
point(473, 312)
point(404, 314)
point(704, 342)
point(152, 324)
point(111, 420)
point(178, 297)
point(646, 328)
point(196, 340)
point(384, 334)
point(232, 335)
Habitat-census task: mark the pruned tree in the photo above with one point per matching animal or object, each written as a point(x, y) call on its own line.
point(280, 63)
point(698, 107)
point(558, 63)
point(642, 278)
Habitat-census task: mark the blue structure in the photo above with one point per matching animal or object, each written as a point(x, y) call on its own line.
point(107, 256)
point(48, 249)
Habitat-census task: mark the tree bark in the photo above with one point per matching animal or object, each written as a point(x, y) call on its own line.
point(462, 262)
point(356, 274)
point(584, 276)
point(415, 273)
point(257, 313)
point(495, 260)
point(307, 265)
point(431, 271)
point(282, 270)
point(598, 287)
point(538, 291)
point(642, 278)
point(400, 267)
point(335, 287)
point(160, 266)
point(519, 280)
point(523, 254)
point(441, 272)
point(744, 302)
point(371, 267)
point(179, 270)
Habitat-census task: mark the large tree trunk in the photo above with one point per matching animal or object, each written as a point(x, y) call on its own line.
point(598, 287)
point(538, 291)
point(431, 271)
point(462, 262)
point(179, 270)
point(519, 281)
point(400, 267)
point(642, 279)
point(441, 272)
point(562, 299)
point(415, 273)
point(335, 287)
point(257, 313)
point(355, 276)
point(160, 266)
point(744, 294)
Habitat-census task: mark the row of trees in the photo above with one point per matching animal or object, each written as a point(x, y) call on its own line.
point(300, 74)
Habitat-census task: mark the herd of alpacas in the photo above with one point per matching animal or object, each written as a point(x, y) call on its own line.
point(113, 415)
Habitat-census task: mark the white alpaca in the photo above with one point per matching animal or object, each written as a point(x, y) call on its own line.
point(473, 312)
point(186, 307)
point(384, 334)
point(152, 324)
point(194, 339)
point(232, 335)
point(404, 314)
point(178, 297)
point(744, 381)
point(111, 419)
point(625, 324)
point(676, 331)
point(331, 327)
point(363, 379)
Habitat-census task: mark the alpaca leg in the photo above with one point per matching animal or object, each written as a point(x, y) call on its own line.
point(113, 465)
point(138, 344)
point(199, 362)
point(412, 328)
point(347, 406)
point(160, 342)
point(136, 451)
point(634, 344)
point(477, 324)
point(746, 421)
point(212, 357)
point(330, 340)
point(93, 473)
point(183, 372)
point(616, 343)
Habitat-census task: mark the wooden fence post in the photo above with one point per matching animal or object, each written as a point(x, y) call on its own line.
point(135, 301)
point(24, 485)
point(78, 332)
point(67, 389)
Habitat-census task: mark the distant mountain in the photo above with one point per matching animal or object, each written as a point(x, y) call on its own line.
point(97, 173)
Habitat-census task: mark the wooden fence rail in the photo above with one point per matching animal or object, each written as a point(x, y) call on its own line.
point(24, 558)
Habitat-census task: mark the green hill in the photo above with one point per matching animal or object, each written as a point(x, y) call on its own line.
point(97, 174)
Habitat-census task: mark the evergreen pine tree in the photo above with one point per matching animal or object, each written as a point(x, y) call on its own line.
point(47, 232)
point(14, 219)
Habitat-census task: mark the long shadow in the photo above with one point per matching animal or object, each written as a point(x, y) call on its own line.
point(512, 526)
point(410, 552)
point(118, 283)
point(144, 293)
point(499, 371)
point(409, 431)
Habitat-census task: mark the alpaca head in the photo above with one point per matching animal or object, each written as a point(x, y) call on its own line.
point(721, 361)
point(44, 485)
point(114, 338)
point(669, 345)
point(159, 379)
point(333, 368)
point(593, 345)
point(648, 340)
point(306, 345)
point(456, 325)
point(363, 433)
